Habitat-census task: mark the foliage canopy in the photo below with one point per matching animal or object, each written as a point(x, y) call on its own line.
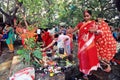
point(46, 13)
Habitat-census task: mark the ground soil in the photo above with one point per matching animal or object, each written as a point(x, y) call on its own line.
point(97, 75)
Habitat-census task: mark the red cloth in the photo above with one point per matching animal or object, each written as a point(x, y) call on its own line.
point(87, 52)
point(47, 38)
point(105, 43)
point(23, 37)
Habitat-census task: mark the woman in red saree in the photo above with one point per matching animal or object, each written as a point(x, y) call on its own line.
point(87, 52)
point(105, 43)
point(47, 38)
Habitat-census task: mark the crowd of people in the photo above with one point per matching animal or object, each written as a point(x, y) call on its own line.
point(96, 43)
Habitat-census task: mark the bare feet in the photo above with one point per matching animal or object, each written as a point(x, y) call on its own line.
point(105, 66)
point(11, 51)
point(108, 69)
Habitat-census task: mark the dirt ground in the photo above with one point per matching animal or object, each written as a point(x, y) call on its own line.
point(98, 75)
point(5, 59)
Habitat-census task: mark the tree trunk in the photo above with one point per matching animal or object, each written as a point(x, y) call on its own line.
point(7, 5)
point(10, 17)
point(2, 8)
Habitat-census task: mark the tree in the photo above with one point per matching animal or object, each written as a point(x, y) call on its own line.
point(45, 13)
point(11, 15)
point(103, 9)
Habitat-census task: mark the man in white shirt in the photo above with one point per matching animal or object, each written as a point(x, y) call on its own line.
point(63, 41)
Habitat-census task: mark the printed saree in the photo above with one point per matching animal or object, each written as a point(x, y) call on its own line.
point(105, 43)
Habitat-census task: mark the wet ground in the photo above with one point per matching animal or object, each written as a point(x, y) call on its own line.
point(69, 74)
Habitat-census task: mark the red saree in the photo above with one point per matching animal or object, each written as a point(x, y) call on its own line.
point(87, 52)
point(47, 38)
point(105, 43)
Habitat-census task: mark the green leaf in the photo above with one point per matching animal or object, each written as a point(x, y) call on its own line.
point(36, 64)
point(27, 57)
point(20, 0)
point(38, 54)
point(20, 52)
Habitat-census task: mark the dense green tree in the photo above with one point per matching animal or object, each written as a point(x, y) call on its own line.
point(46, 13)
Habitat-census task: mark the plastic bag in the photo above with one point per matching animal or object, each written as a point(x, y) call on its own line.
point(24, 74)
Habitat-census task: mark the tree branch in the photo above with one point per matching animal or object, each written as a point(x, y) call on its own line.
point(4, 13)
point(108, 8)
point(15, 11)
point(48, 2)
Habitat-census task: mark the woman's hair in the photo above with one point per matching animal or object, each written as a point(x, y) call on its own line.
point(96, 20)
point(56, 35)
point(88, 11)
point(46, 29)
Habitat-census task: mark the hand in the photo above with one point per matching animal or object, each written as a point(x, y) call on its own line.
point(43, 49)
point(92, 29)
